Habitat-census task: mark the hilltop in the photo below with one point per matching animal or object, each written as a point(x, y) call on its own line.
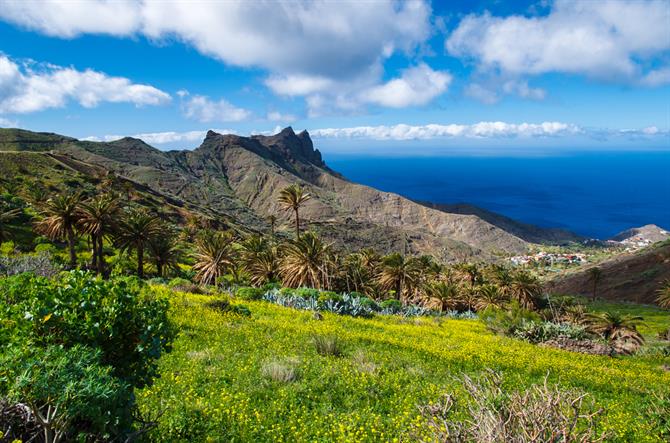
point(633, 276)
point(236, 180)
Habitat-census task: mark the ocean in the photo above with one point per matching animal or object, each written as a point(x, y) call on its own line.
point(595, 194)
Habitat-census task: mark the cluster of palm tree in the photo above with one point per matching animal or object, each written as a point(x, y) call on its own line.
point(69, 216)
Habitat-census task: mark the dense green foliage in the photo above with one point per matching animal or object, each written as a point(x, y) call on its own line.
point(78, 345)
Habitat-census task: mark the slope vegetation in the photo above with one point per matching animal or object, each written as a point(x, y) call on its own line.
point(239, 179)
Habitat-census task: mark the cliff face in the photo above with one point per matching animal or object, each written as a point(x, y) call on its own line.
point(241, 177)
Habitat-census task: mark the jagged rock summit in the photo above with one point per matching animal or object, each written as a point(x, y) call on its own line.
point(239, 178)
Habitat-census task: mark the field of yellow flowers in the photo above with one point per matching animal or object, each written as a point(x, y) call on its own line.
point(215, 384)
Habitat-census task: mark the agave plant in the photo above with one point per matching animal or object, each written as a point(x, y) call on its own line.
point(305, 262)
point(135, 232)
point(292, 198)
point(663, 295)
point(620, 330)
point(214, 256)
point(61, 214)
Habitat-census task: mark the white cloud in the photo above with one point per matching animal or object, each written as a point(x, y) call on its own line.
point(316, 38)
point(321, 50)
point(293, 85)
point(275, 116)
point(482, 93)
point(31, 88)
point(605, 39)
point(201, 108)
point(416, 86)
point(477, 130)
point(159, 138)
point(8, 123)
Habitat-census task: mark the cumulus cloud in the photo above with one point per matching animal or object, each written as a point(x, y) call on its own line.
point(477, 130)
point(319, 50)
point(316, 38)
point(30, 88)
point(608, 39)
point(416, 86)
point(203, 109)
point(8, 123)
point(275, 116)
point(159, 138)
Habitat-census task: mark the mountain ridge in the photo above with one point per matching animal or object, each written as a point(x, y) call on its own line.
point(241, 177)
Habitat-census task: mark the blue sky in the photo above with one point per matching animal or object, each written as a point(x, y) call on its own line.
point(407, 76)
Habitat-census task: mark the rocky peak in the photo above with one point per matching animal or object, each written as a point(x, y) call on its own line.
point(292, 147)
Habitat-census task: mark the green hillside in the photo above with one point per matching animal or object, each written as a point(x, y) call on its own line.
point(217, 385)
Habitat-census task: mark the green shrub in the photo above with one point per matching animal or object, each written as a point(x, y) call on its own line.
point(79, 398)
point(391, 305)
point(540, 332)
point(368, 302)
point(507, 321)
point(286, 292)
point(327, 297)
point(249, 293)
point(120, 317)
point(184, 285)
point(310, 293)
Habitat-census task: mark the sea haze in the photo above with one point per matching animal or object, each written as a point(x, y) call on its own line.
point(595, 194)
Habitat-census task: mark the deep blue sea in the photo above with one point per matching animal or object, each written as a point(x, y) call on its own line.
point(595, 194)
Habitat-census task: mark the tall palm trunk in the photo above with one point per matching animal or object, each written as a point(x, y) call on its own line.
point(297, 224)
point(93, 244)
point(71, 247)
point(140, 260)
point(101, 258)
point(159, 268)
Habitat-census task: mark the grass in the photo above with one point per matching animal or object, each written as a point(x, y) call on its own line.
point(234, 378)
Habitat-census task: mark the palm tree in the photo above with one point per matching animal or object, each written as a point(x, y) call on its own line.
point(214, 256)
point(446, 293)
point(525, 289)
point(472, 272)
point(5, 218)
point(61, 214)
point(292, 198)
point(165, 251)
point(136, 230)
point(272, 219)
point(663, 292)
point(399, 274)
point(305, 262)
point(97, 218)
point(489, 295)
point(620, 330)
point(595, 274)
point(260, 260)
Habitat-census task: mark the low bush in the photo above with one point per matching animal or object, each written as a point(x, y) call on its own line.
point(391, 306)
point(310, 293)
point(184, 285)
point(73, 348)
point(540, 332)
point(281, 371)
point(328, 345)
point(41, 264)
point(508, 321)
point(249, 293)
point(540, 413)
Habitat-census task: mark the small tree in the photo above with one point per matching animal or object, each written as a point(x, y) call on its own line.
point(595, 274)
